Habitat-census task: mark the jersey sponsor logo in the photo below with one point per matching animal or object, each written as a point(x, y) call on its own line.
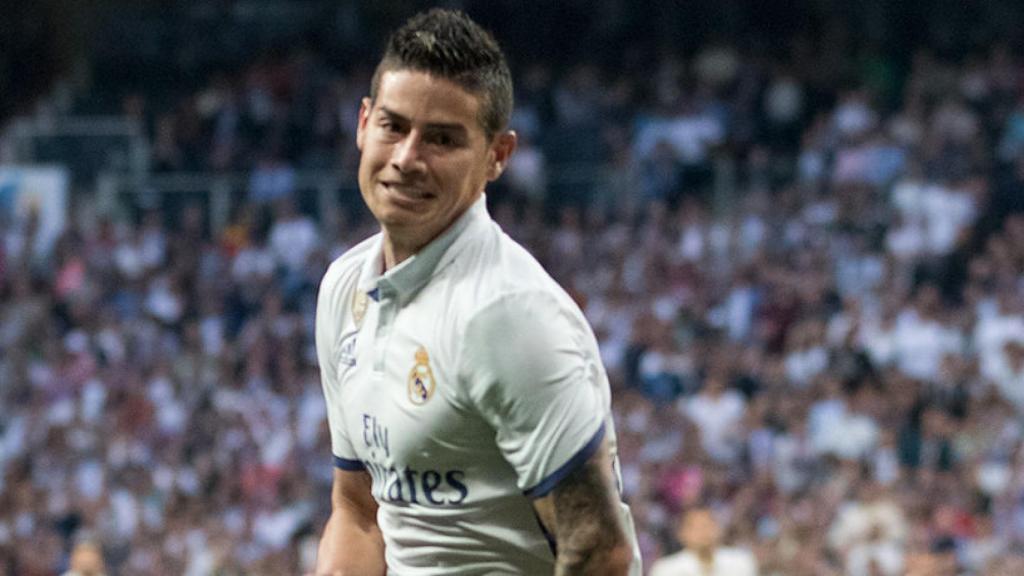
point(406, 484)
point(375, 436)
point(421, 383)
point(423, 487)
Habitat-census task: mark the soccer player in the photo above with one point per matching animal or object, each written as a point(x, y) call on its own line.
point(468, 407)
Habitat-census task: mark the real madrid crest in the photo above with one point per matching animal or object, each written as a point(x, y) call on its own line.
point(421, 379)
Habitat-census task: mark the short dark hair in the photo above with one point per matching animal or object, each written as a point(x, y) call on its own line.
point(449, 45)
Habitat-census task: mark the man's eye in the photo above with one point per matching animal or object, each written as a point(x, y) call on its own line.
point(443, 140)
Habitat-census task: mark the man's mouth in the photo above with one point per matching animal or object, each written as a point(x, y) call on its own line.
point(407, 192)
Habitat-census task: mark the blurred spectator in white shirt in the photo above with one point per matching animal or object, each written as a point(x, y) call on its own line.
point(293, 236)
point(869, 532)
point(703, 555)
point(922, 338)
point(717, 412)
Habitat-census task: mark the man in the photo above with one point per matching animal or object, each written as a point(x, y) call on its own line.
point(468, 407)
point(700, 534)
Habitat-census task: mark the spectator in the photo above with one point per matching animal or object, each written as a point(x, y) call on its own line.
point(700, 534)
point(292, 236)
point(271, 180)
point(717, 412)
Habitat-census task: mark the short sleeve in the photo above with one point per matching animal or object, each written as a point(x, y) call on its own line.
point(528, 371)
point(330, 315)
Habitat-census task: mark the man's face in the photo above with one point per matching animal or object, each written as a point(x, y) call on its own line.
point(699, 530)
point(425, 156)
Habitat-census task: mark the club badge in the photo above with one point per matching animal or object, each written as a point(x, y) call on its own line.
point(421, 379)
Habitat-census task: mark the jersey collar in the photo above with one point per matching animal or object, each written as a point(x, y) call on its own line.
point(405, 280)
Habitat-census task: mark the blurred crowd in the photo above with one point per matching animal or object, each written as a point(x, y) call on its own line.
point(806, 275)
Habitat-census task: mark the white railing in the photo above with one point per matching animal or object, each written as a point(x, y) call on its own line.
point(219, 189)
point(23, 136)
point(125, 168)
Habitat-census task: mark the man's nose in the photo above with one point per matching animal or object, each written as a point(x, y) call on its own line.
point(406, 156)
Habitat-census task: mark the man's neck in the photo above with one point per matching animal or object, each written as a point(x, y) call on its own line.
point(397, 252)
point(400, 247)
point(706, 556)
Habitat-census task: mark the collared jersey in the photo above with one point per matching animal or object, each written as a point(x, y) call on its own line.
point(467, 382)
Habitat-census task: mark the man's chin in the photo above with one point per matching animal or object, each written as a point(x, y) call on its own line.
point(405, 225)
point(399, 218)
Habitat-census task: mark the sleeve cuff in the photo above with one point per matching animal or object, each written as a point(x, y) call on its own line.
point(349, 465)
point(548, 484)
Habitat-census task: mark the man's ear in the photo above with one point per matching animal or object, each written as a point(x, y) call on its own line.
point(365, 107)
point(502, 148)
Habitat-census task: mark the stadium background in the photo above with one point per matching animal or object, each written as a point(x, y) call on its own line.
point(795, 229)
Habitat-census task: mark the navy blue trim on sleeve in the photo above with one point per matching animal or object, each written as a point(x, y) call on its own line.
point(349, 465)
point(548, 484)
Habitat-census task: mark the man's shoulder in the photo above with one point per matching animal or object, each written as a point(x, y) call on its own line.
point(495, 267)
point(736, 558)
point(341, 278)
point(351, 261)
point(673, 564)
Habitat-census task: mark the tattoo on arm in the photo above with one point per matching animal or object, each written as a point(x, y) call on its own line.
point(583, 514)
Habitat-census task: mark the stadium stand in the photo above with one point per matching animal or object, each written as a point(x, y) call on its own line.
point(798, 233)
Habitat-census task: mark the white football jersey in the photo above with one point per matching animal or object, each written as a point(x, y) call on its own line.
point(467, 382)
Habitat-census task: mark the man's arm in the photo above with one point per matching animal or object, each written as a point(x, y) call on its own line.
point(582, 512)
point(352, 543)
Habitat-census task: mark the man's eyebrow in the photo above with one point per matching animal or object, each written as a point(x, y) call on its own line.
point(440, 126)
